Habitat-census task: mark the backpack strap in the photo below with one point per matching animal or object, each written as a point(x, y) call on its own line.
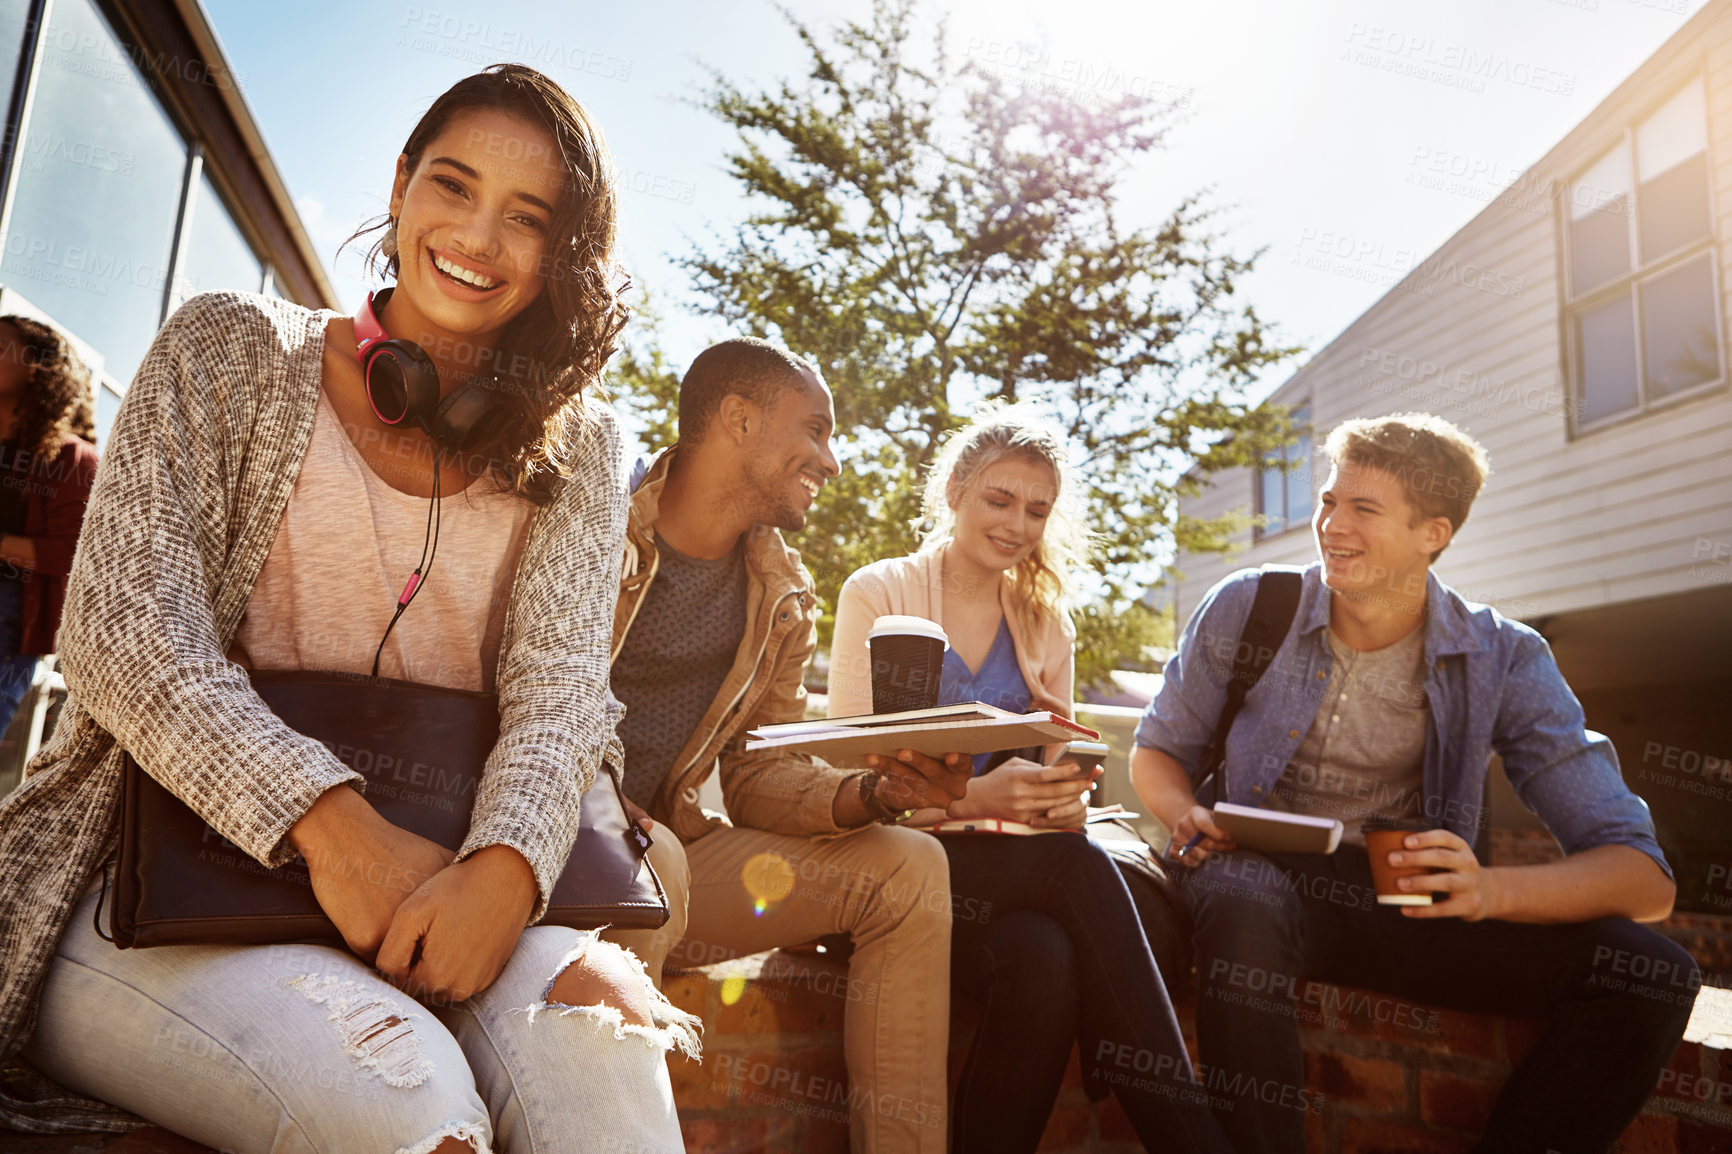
point(1272, 613)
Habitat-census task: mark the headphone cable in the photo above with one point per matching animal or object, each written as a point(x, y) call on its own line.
point(424, 570)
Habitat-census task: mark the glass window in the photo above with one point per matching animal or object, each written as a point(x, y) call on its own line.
point(1284, 495)
point(1679, 335)
point(1272, 502)
point(1600, 222)
point(93, 223)
point(107, 408)
point(1674, 208)
point(1606, 352)
point(1672, 175)
point(1299, 482)
point(216, 256)
point(1628, 357)
point(12, 18)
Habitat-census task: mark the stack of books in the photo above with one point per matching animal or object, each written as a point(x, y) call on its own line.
point(970, 727)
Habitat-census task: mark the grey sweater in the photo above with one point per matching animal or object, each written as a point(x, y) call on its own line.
point(193, 483)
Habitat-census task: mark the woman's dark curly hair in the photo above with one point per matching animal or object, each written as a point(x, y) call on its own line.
point(560, 345)
point(56, 401)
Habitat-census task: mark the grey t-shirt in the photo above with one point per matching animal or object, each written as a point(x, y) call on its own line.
point(675, 657)
point(1365, 752)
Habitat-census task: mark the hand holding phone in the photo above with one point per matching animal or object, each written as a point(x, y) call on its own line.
point(1027, 791)
point(1087, 756)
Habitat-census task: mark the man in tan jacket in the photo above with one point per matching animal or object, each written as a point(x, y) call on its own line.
point(715, 623)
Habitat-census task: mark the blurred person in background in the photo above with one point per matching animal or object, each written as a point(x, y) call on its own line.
point(47, 464)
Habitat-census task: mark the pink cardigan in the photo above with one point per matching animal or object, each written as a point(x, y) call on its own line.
point(915, 585)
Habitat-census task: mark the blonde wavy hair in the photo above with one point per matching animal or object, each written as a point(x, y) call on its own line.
point(1043, 583)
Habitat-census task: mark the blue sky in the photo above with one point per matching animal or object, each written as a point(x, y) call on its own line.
point(1307, 117)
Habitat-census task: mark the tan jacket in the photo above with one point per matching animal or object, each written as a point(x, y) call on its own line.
point(914, 585)
point(780, 792)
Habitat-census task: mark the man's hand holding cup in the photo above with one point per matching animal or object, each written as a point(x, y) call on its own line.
point(1428, 873)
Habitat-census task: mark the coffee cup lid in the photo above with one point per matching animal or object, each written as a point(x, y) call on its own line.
point(897, 623)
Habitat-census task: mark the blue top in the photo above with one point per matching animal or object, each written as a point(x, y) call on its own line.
point(1492, 686)
point(999, 682)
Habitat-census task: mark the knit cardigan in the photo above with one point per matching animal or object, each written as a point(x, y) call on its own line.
point(192, 487)
point(1045, 642)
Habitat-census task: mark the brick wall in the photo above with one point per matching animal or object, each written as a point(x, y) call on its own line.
point(1393, 1076)
point(1708, 937)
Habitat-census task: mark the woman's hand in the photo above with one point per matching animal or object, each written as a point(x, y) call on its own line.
point(1050, 796)
point(452, 936)
point(1073, 814)
point(362, 866)
point(1198, 820)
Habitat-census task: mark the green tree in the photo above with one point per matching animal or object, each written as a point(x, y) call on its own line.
point(933, 234)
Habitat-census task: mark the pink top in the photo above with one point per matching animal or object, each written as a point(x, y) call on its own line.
point(347, 546)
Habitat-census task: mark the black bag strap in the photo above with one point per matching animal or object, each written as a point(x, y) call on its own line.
point(96, 918)
point(1272, 613)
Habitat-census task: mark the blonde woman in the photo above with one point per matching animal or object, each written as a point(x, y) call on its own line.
point(1046, 939)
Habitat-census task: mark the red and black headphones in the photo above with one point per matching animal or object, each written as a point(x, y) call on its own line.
point(403, 386)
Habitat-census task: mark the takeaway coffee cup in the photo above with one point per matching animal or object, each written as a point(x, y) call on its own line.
point(1381, 839)
point(907, 660)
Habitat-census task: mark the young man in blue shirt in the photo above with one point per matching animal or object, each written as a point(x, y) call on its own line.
point(1386, 699)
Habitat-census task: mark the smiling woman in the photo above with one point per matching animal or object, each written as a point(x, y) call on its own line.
point(500, 232)
point(258, 513)
point(1064, 953)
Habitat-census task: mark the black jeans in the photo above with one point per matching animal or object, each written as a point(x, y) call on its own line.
point(1011, 893)
point(1021, 969)
point(1617, 997)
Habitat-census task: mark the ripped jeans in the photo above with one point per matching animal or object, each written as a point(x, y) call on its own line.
point(302, 1049)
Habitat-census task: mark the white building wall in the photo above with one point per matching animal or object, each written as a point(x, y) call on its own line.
point(1475, 334)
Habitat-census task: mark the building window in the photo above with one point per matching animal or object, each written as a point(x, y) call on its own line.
point(217, 256)
point(107, 408)
point(99, 191)
point(1284, 494)
point(13, 18)
point(1641, 295)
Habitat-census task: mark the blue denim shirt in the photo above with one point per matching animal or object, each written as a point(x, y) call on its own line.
point(1491, 685)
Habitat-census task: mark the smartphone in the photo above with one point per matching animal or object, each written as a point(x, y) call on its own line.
point(1086, 754)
